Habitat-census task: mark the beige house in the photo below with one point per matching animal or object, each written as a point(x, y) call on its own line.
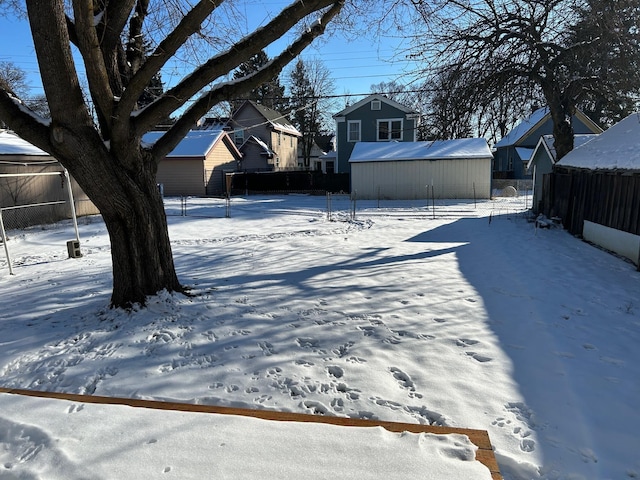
point(197, 166)
point(266, 138)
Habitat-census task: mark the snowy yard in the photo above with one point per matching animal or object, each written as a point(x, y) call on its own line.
point(465, 316)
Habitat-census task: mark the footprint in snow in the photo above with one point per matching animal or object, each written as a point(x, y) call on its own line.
point(335, 371)
point(479, 358)
point(405, 382)
point(267, 348)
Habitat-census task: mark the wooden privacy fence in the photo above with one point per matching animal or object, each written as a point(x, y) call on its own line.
point(288, 182)
point(610, 199)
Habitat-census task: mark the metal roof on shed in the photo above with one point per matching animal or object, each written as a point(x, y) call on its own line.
point(465, 148)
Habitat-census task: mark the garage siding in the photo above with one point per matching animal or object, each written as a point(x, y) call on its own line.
point(182, 176)
point(219, 161)
point(410, 179)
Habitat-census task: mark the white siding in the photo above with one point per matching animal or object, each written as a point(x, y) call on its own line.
point(410, 179)
point(622, 243)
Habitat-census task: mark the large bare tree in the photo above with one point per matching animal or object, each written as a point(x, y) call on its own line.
point(509, 48)
point(104, 150)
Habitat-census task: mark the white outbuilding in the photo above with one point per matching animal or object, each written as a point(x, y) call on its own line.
point(458, 168)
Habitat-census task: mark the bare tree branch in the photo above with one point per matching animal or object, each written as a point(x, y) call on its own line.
point(228, 90)
point(221, 64)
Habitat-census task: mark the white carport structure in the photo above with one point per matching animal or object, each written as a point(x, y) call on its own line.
point(414, 170)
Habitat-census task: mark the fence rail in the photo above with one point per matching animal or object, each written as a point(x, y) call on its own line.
point(21, 216)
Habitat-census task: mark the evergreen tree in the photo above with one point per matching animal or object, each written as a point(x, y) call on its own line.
point(310, 89)
point(270, 94)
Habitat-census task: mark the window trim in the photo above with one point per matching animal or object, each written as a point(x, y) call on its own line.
point(389, 122)
point(376, 105)
point(359, 124)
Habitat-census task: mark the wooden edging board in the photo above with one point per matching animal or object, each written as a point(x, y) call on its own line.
point(479, 438)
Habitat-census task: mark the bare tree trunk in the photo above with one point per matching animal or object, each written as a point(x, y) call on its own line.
point(133, 211)
point(561, 114)
point(140, 248)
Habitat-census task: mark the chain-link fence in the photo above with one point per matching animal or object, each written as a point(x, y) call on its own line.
point(511, 187)
point(348, 207)
point(55, 203)
point(210, 207)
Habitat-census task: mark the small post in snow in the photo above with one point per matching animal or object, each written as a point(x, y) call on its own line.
point(354, 196)
point(433, 199)
point(475, 204)
point(3, 233)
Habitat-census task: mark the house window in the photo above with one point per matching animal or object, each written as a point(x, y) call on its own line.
point(389, 130)
point(330, 167)
point(353, 131)
point(238, 136)
point(376, 105)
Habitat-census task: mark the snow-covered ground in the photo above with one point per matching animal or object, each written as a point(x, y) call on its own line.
point(463, 316)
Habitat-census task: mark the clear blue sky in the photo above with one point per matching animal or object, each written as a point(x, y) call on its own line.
point(354, 66)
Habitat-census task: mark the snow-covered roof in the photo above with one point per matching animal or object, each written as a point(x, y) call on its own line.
point(265, 148)
point(465, 148)
point(521, 129)
point(197, 143)
point(615, 149)
point(546, 142)
point(11, 144)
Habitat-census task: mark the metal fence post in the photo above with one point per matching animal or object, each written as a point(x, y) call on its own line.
point(354, 198)
point(4, 242)
point(72, 204)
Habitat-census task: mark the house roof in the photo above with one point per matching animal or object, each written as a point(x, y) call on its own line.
point(524, 153)
point(197, 143)
point(277, 120)
point(546, 143)
point(11, 144)
point(524, 127)
point(614, 149)
point(263, 146)
point(375, 96)
point(465, 148)
point(537, 118)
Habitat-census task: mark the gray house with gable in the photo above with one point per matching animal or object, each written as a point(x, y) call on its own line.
point(514, 151)
point(376, 118)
